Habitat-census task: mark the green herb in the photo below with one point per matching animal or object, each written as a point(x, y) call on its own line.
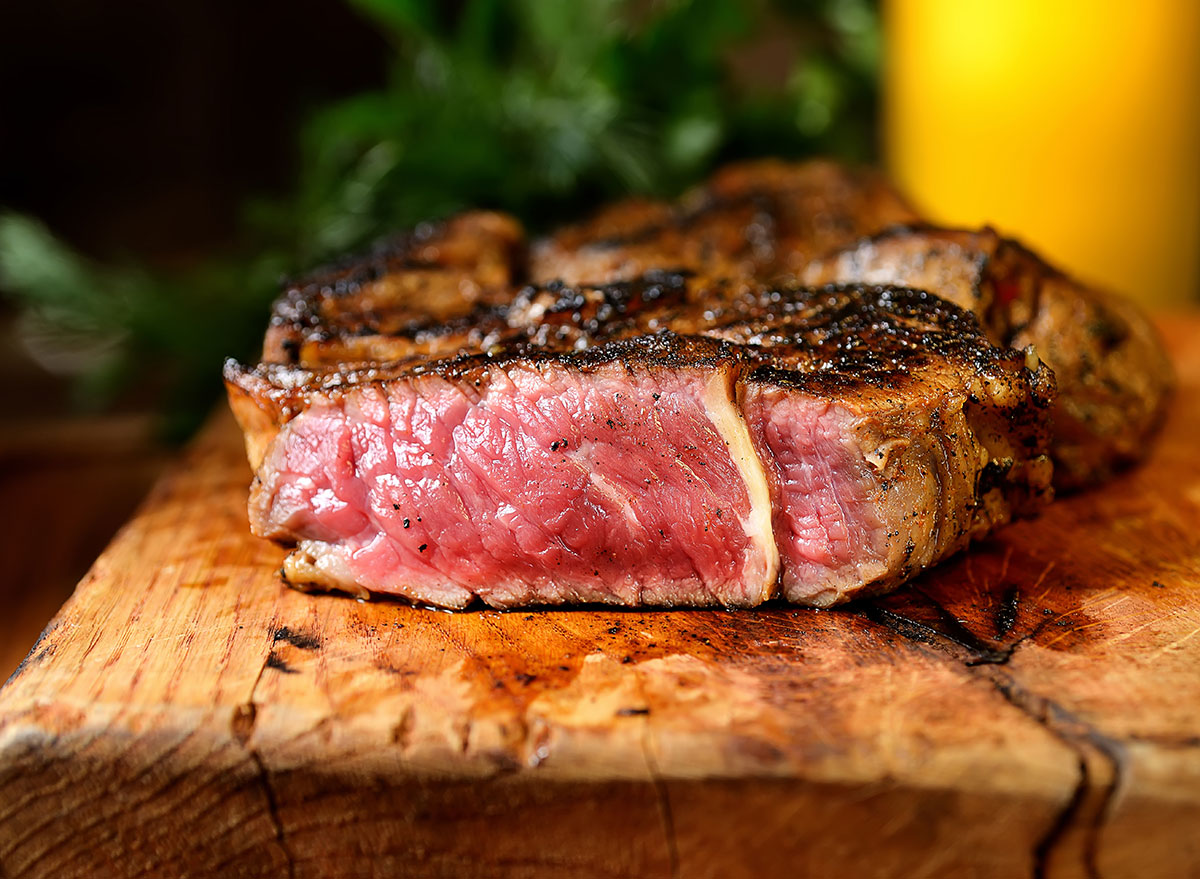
point(538, 107)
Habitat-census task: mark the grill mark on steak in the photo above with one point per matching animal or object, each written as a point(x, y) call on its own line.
point(424, 286)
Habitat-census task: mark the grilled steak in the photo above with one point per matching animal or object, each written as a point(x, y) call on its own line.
point(1112, 372)
point(814, 444)
point(648, 408)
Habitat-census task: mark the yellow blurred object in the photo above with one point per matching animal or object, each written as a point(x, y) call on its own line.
point(1071, 125)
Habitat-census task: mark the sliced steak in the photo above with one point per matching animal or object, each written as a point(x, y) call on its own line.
point(1112, 371)
point(812, 444)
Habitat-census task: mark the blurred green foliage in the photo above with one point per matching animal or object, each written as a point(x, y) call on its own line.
point(538, 107)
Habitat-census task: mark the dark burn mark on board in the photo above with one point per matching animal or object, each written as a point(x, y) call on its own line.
point(303, 640)
point(937, 632)
point(901, 625)
point(1008, 611)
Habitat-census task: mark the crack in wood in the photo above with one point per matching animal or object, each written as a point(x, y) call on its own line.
point(241, 727)
point(1087, 742)
point(983, 660)
point(264, 778)
point(1008, 611)
point(1062, 823)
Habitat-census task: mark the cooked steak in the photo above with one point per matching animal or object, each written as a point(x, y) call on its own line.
point(641, 412)
point(775, 441)
point(1112, 372)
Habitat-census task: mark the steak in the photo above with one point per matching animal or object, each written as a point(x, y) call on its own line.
point(1112, 372)
point(643, 409)
point(667, 440)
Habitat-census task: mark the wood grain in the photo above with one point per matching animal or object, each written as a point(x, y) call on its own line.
point(1032, 708)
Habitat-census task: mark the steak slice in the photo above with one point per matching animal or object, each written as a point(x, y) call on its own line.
point(1112, 372)
point(811, 444)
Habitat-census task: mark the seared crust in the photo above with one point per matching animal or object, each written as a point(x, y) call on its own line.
point(841, 341)
point(1113, 375)
point(752, 219)
point(414, 287)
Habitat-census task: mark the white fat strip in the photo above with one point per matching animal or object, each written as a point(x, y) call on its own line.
point(727, 419)
point(581, 457)
point(614, 494)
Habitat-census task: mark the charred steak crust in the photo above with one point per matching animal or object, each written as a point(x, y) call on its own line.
point(752, 219)
point(863, 433)
point(1113, 375)
point(418, 284)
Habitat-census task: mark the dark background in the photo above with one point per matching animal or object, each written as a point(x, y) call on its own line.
point(137, 127)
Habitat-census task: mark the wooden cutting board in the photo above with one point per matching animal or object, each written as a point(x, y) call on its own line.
point(1031, 708)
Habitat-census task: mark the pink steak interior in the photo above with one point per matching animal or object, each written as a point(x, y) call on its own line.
point(542, 484)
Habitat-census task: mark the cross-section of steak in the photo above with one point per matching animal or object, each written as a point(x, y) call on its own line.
point(777, 441)
point(1112, 371)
